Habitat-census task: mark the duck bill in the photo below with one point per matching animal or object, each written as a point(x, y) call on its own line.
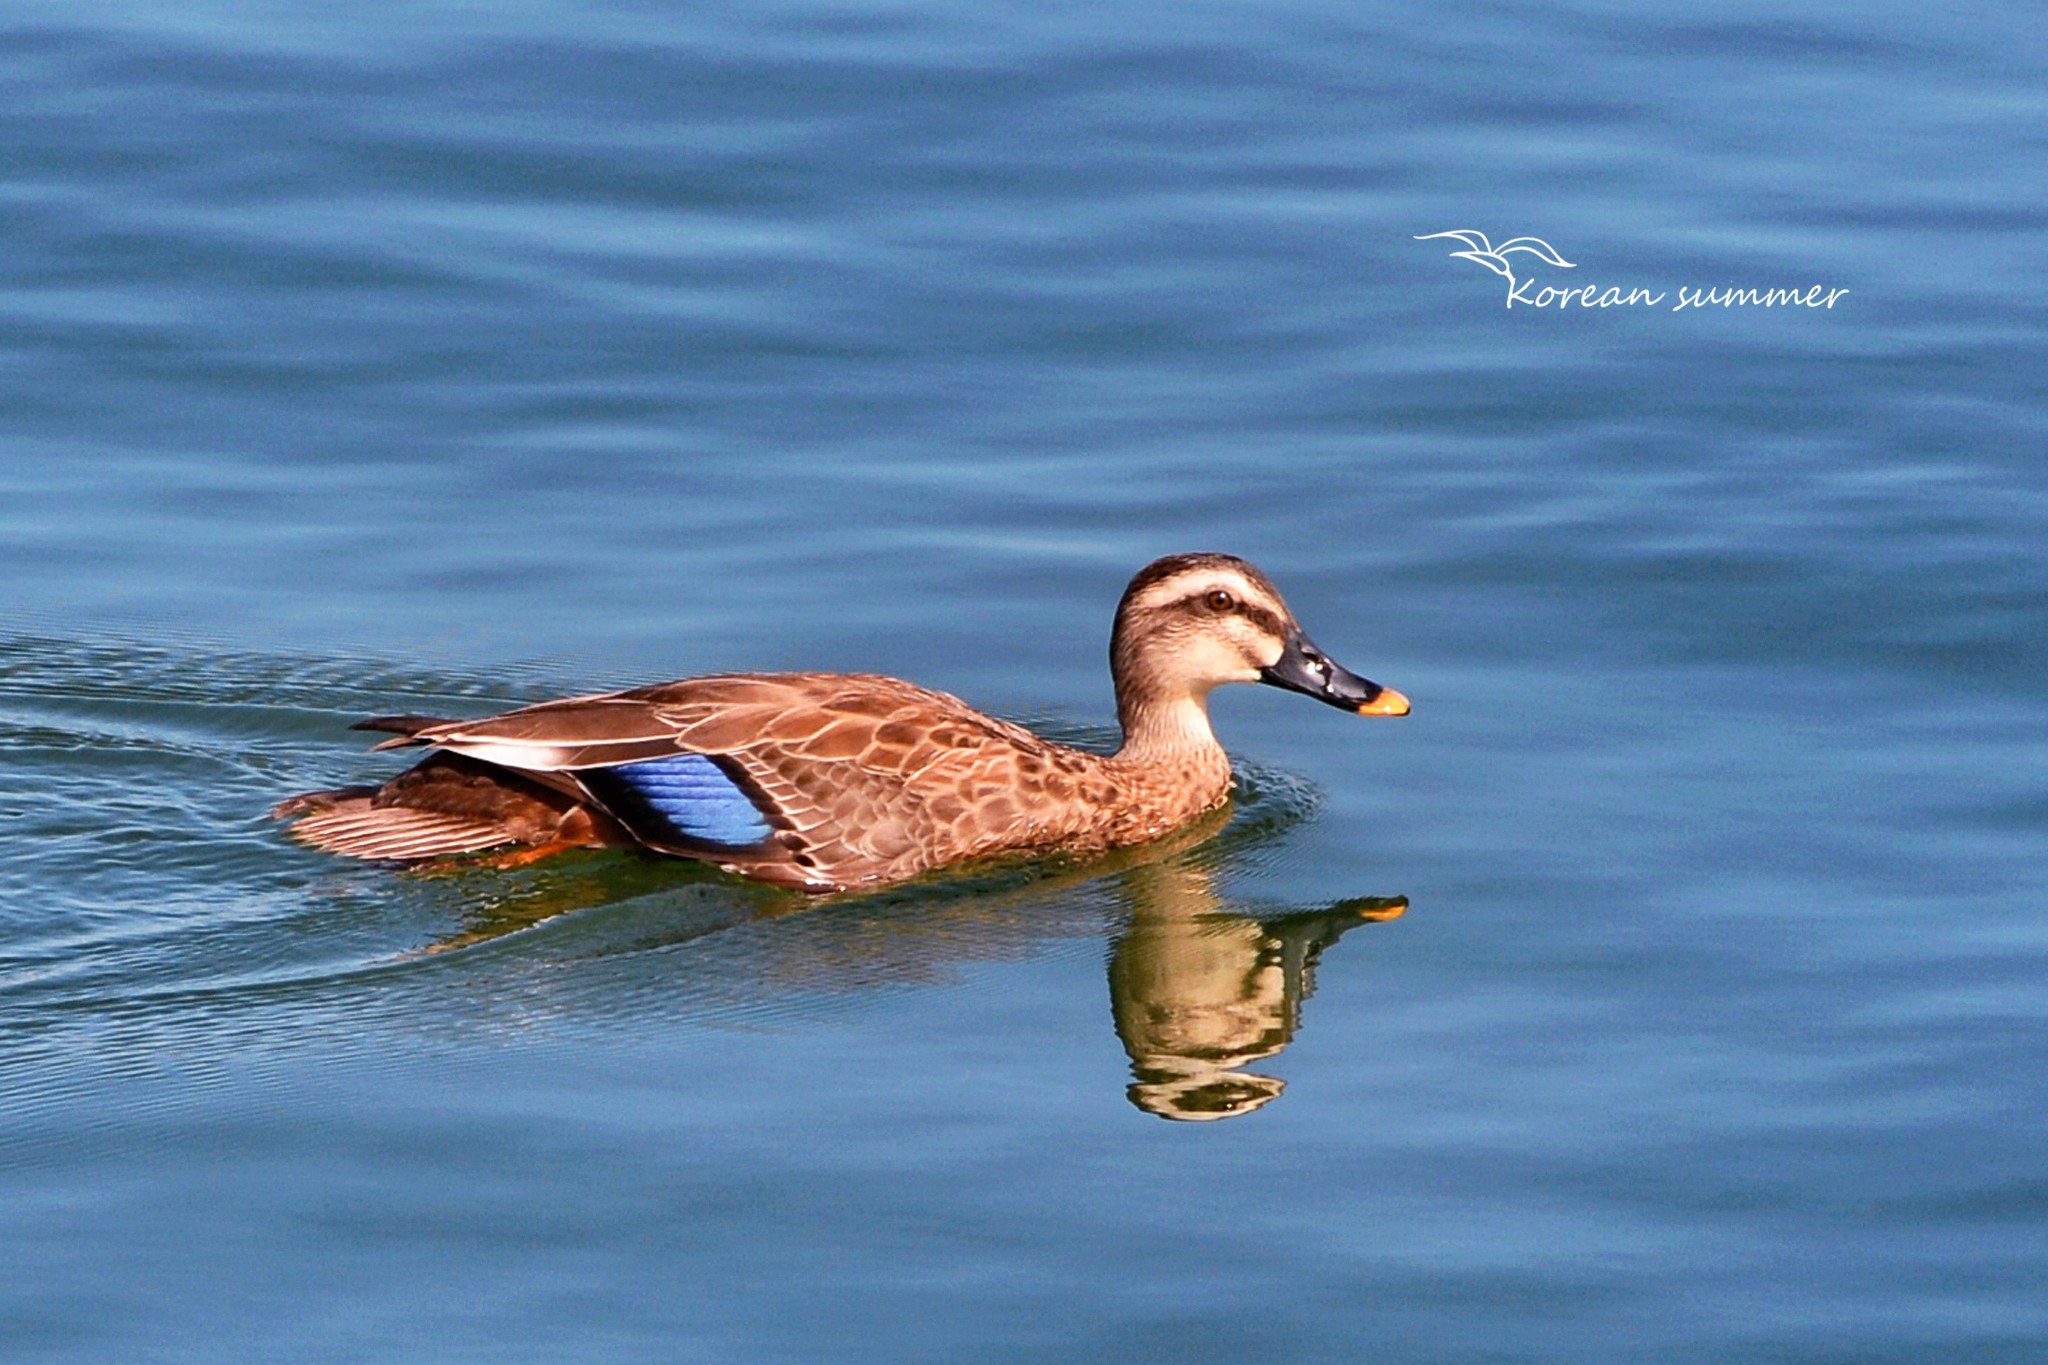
point(1303, 668)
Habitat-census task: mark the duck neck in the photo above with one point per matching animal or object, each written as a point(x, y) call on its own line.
point(1169, 731)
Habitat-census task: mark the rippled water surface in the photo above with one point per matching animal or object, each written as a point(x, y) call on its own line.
point(1672, 985)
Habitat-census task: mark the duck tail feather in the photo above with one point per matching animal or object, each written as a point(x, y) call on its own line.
point(407, 729)
point(356, 829)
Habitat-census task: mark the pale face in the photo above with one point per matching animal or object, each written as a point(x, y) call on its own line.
point(1189, 623)
point(1197, 629)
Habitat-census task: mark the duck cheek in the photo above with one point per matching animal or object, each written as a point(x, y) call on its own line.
point(1245, 669)
point(1210, 662)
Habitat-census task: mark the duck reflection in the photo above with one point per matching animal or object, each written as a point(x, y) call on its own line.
point(1198, 991)
point(1200, 987)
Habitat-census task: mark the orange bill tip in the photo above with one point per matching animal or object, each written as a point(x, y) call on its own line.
point(1387, 703)
point(1377, 909)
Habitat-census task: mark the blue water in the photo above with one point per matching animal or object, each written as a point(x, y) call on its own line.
point(435, 358)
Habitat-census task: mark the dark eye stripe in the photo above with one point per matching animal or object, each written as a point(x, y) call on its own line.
point(1265, 620)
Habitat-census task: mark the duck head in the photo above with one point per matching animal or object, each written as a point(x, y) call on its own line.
point(1190, 623)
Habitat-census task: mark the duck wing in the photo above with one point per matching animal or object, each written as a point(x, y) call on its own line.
point(819, 781)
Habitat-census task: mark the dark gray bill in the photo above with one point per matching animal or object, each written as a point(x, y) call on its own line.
point(1303, 668)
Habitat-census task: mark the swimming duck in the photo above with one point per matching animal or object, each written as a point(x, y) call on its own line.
point(832, 781)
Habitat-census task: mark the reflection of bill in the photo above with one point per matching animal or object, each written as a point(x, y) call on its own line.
point(1199, 992)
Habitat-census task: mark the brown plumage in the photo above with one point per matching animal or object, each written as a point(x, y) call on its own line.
point(826, 781)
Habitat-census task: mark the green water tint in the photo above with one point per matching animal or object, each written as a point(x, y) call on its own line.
point(142, 775)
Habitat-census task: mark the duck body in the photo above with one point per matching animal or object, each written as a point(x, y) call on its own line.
point(829, 781)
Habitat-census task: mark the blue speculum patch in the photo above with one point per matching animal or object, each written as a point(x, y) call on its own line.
point(693, 795)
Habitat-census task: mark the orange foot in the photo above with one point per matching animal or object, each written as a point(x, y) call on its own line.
point(520, 857)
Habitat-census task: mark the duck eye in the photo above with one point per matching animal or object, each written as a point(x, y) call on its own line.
point(1220, 601)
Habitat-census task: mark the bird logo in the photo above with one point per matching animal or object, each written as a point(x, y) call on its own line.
point(1495, 258)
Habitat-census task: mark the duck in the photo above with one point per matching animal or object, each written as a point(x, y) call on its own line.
point(835, 782)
